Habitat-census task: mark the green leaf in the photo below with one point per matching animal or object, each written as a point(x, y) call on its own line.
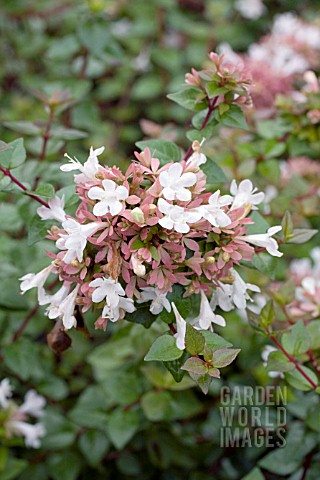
point(136, 244)
point(162, 149)
point(142, 315)
point(13, 467)
point(313, 417)
point(214, 173)
point(45, 190)
point(286, 293)
point(195, 341)
point(272, 148)
point(37, 229)
point(287, 459)
point(255, 474)
point(157, 406)
point(260, 224)
point(297, 340)
point(27, 128)
point(190, 98)
point(174, 367)
point(297, 380)
point(274, 128)
point(195, 365)
point(287, 225)
point(255, 322)
point(215, 341)
point(93, 445)
point(213, 90)
point(13, 154)
point(301, 235)
point(278, 362)
point(64, 466)
point(265, 263)
point(267, 314)
point(67, 133)
point(234, 118)
point(147, 87)
point(122, 426)
point(224, 356)
point(313, 329)
point(23, 359)
point(163, 349)
point(203, 381)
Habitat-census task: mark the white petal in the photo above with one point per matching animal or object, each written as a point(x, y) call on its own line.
point(122, 193)
point(188, 179)
point(109, 185)
point(101, 208)
point(183, 195)
point(166, 222)
point(96, 193)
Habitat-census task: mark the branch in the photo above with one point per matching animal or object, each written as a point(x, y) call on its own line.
point(294, 361)
point(212, 107)
point(20, 185)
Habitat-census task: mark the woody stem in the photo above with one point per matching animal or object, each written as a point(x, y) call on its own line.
point(20, 185)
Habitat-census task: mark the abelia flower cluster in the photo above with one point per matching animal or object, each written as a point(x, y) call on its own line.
point(291, 48)
point(15, 420)
point(139, 233)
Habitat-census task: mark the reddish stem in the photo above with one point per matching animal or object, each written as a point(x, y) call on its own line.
point(293, 360)
point(17, 182)
point(212, 106)
point(172, 328)
point(46, 136)
point(25, 322)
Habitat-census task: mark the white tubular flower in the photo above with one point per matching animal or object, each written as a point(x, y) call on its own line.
point(53, 310)
point(88, 170)
point(66, 309)
point(265, 240)
point(31, 433)
point(35, 280)
point(33, 404)
point(175, 183)
point(206, 316)
point(5, 392)
point(106, 288)
point(181, 329)
point(228, 296)
point(196, 159)
point(75, 240)
point(110, 198)
point(159, 300)
point(55, 210)
point(265, 355)
point(176, 217)
point(239, 289)
point(245, 194)
point(109, 289)
point(213, 211)
point(113, 313)
point(222, 297)
point(251, 9)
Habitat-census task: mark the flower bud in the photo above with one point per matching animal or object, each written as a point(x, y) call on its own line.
point(225, 256)
point(229, 279)
point(210, 260)
point(137, 215)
